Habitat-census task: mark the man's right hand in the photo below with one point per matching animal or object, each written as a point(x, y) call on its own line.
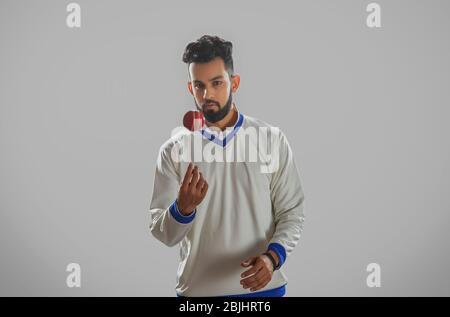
point(192, 190)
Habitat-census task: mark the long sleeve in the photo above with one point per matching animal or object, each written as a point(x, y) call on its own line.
point(167, 224)
point(287, 202)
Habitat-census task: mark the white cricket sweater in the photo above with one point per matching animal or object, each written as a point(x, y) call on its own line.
point(252, 205)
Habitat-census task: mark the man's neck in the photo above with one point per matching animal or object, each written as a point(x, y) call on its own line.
point(229, 120)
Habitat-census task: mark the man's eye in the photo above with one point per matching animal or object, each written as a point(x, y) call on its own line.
point(198, 86)
point(217, 82)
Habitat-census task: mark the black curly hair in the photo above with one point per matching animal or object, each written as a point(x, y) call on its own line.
point(207, 48)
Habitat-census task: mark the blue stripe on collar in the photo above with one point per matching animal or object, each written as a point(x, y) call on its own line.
point(228, 137)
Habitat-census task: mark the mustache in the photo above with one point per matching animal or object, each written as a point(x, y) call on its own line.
point(209, 102)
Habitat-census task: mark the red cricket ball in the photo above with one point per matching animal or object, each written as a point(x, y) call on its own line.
point(193, 120)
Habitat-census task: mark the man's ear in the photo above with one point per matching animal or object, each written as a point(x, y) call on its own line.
point(190, 87)
point(235, 81)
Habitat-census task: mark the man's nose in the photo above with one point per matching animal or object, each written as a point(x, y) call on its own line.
point(208, 94)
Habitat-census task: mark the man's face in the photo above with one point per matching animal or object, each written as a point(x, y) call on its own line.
point(211, 87)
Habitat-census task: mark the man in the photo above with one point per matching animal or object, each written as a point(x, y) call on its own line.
point(236, 221)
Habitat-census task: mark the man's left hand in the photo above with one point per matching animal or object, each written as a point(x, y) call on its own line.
point(259, 274)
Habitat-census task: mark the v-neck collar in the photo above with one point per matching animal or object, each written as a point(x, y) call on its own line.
point(209, 135)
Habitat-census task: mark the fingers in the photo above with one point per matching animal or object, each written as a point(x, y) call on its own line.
point(204, 190)
point(257, 277)
point(187, 176)
point(252, 270)
point(257, 281)
point(247, 274)
point(264, 282)
point(201, 182)
point(249, 261)
point(192, 190)
point(195, 179)
point(191, 177)
point(202, 186)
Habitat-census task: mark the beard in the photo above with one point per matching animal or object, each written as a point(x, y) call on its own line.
point(214, 116)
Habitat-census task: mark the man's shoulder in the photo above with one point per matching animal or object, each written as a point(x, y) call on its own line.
point(258, 123)
point(255, 122)
point(280, 136)
point(177, 136)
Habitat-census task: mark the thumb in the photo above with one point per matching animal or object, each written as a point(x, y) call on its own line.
point(248, 262)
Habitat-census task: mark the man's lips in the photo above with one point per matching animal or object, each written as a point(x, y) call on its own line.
point(210, 105)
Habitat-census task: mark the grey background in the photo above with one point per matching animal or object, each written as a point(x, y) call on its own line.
point(84, 111)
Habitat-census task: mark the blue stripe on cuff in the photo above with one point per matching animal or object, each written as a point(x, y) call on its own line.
point(179, 216)
point(279, 250)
